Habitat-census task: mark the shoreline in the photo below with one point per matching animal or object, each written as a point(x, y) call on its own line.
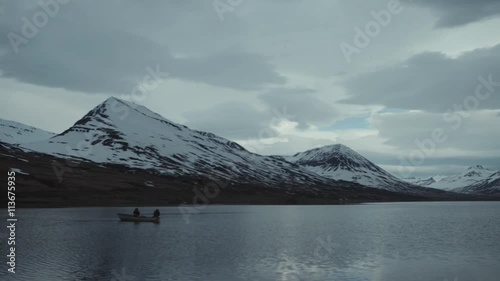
point(54, 205)
point(92, 185)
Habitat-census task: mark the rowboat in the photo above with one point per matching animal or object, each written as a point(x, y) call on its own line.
point(127, 217)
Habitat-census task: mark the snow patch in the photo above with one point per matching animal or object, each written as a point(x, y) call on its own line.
point(16, 133)
point(19, 171)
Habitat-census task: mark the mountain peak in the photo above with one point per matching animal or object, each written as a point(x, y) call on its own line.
point(340, 162)
point(114, 103)
point(111, 99)
point(333, 152)
point(476, 167)
point(338, 146)
point(124, 133)
point(333, 148)
point(462, 181)
point(119, 109)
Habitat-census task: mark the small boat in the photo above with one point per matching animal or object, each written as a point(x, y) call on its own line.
point(127, 217)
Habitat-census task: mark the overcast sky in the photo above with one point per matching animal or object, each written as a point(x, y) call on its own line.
point(413, 85)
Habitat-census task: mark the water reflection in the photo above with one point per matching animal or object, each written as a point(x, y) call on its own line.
point(411, 241)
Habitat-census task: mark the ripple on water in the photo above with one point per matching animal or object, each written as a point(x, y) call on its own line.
point(407, 241)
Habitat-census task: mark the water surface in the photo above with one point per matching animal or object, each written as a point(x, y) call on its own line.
point(393, 241)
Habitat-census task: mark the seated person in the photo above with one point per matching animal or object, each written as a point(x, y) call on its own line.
point(136, 212)
point(156, 214)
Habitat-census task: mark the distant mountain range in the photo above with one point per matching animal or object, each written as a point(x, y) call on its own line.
point(475, 179)
point(122, 133)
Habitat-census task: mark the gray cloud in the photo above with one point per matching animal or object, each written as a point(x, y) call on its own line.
point(74, 56)
point(289, 145)
point(234, 120)
point(464, 161)
point(476, 132)
point(474, 141)
point(429, 81)
point(233, 70)
point(460, 12)
point(104, 47)
point(238, 120)
point(306, 109)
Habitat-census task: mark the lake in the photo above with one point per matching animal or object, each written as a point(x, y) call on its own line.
point(386, 241)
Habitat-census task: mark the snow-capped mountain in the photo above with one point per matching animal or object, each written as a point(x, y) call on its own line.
point(424, 181)
point(490, 185)
point(121, 132)
point(473, 180)
point(14, 132)
point(342, 163)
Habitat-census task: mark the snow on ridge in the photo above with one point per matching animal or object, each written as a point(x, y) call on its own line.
point(424, 181)
point(113, 102)
point(120, 132)
point(19, 171)
point(324, 152)
point(462, 182)
point(13, 132)
point(340, 162)
point(477, 167)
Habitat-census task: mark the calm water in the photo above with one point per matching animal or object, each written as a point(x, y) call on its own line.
point(396, 241)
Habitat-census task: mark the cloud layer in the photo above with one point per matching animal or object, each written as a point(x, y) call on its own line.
point(454, 13)
point(269, 74)
point(67, 54)
point(430, 81)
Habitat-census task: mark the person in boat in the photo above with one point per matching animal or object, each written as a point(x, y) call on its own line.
point(136, 212)
point(156, 214)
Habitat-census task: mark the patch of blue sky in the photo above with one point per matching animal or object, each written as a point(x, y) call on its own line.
point(392, 110)
point(357, 122)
